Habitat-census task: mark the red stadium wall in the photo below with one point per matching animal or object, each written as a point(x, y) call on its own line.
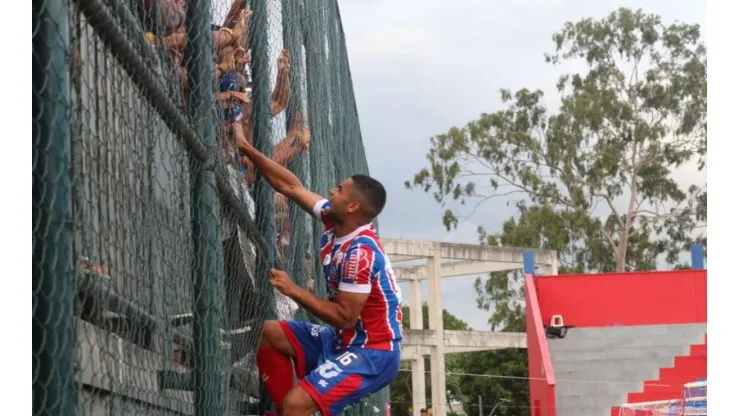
point(645, 298)
point(541, 375)
point(598, 300)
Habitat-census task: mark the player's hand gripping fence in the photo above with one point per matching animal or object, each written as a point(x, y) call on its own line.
point(152, 236)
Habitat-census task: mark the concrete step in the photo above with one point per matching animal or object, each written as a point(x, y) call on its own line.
point(565, 355)
point(654, 396)
point(595, 388)
point(583, 411)
point(635, 331)
point(556, 345)
point(614, 364)
point(575, 403)
point(627, 375)
point(698, 350)
point(661, 388)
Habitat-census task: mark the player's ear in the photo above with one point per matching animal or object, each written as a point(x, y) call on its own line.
point(353, 207)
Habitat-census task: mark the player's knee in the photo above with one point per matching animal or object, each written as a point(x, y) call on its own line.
point(271, 333)
point(298, 403)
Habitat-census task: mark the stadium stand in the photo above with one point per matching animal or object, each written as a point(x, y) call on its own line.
point(622, 343)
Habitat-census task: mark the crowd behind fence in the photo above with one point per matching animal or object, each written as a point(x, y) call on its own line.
point(152, 234)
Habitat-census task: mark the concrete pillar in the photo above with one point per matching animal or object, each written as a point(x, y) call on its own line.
point(416, 320)
point(439, 383)
point(552, 269)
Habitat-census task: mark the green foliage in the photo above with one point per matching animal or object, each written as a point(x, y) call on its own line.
point(508, 362)
point(466, 388)
point(401, 389)
point(623, 127)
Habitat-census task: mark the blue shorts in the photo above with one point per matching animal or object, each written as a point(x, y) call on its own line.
point(337, 378)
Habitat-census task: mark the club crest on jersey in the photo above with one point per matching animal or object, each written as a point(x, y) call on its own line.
point(327, 259)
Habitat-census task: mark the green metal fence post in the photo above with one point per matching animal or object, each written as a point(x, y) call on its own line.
point(293, 42)
point(321, 162)
point(207, 377)
point(52, 273)
point(262, 136)
point(264, 203)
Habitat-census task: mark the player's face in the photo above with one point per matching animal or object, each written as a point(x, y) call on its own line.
point(342, 202)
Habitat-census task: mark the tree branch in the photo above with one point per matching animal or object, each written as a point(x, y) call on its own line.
point(612, 207)
point(608, 238)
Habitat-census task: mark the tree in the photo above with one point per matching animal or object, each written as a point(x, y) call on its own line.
point(500, 374)
point(536, 227)
point(401, 388)
point(468, 374)
point(623, 127)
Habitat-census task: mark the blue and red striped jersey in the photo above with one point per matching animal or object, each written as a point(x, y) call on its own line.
point(358, 263)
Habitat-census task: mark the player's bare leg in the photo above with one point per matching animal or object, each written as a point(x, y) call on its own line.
point(298, 403)
point(274, 337)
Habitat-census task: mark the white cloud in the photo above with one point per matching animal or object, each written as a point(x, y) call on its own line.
point(397, 42)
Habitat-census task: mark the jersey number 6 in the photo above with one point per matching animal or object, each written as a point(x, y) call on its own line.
point(346, 358)
point(329, 369)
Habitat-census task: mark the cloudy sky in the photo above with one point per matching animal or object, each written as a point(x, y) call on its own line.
point(421, 67)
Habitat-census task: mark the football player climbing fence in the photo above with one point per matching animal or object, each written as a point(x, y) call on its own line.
point(152, 235)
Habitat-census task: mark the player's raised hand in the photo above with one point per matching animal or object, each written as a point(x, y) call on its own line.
point(240, 96)
point(283, 61)
point(282, 282)
point(241, 25)
point(301, 134)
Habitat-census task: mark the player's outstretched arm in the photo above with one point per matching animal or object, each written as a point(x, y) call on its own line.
point(279, 177)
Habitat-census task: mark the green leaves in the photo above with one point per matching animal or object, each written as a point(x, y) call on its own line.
point(469, 374)
point(401, 388)
point(605, 160)
point(595, 178)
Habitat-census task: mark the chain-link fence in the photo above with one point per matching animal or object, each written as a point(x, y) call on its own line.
point(152, 235)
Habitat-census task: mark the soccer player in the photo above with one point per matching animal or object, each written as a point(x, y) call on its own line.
point(361, 354)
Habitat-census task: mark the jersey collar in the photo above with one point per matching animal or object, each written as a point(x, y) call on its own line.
point(353, 234)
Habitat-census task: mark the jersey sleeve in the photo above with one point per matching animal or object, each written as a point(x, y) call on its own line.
point(357, 270)
point(320, 206)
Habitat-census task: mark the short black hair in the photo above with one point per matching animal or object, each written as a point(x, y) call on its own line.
point(372, 191)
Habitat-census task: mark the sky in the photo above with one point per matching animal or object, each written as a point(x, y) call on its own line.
point(421, 67)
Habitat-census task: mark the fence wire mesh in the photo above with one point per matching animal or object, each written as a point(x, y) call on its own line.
point(152, 235)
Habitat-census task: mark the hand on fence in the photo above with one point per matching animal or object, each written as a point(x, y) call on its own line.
point(228, 61)
point(242, 57)
point(233, 15)
point(238, 95)
point(283, 60)
point(282, 282)
point(240, 29)
point(300, 133)
point(281, 95)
